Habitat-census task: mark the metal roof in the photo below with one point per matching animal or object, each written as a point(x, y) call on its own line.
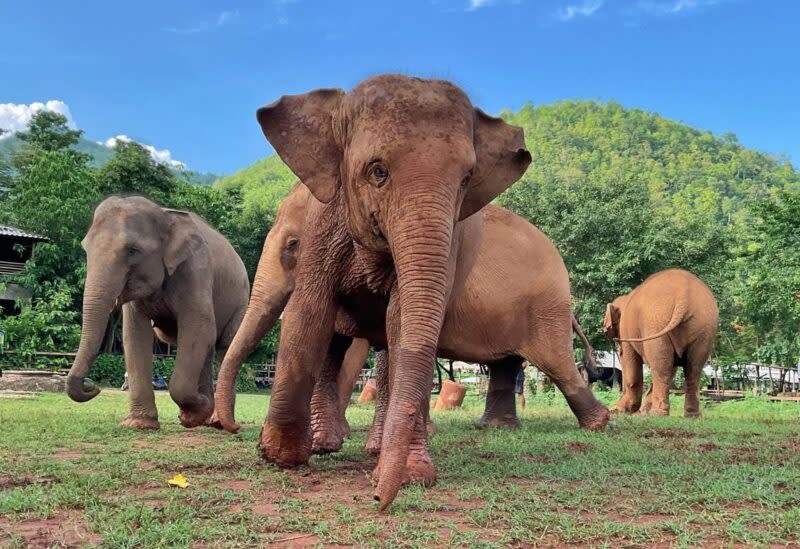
point(6, 230)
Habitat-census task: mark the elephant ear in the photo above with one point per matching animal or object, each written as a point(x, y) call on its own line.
point(611, 320)
point(300, 128)
point(183, 239)
point(500, 159)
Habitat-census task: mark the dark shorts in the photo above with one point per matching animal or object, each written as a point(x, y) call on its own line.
point(519, 387)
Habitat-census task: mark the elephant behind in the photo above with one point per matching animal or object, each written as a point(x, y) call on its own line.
point(174, 276)
point(669, 320)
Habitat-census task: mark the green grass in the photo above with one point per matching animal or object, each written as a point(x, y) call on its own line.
point(71, 475)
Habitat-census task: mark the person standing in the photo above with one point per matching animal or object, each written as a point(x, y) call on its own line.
point(519, 387)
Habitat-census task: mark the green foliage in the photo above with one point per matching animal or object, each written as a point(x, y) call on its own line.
point(108, 370)
point(133, 171)
point(624, 193)
point(47, 324)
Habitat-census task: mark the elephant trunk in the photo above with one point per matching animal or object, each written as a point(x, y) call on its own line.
point(263, 310)
point(98, 300)
point(421, 247)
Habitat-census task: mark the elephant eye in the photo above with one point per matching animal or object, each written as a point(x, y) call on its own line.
point(378, 174)
point(466, 180)
point(292, 244)
point(132, 250)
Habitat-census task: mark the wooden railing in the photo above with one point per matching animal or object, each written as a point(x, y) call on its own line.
point(11, 267)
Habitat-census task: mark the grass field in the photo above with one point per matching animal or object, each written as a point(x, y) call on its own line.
point(71, 476)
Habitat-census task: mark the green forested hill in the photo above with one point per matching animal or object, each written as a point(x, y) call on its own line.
point(263, 185)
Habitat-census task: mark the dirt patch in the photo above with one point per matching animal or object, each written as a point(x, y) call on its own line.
point(579, 447)
point(7, 483)
point(67, 454)
point(267, 509)
point(706, 447)
point(236, 485)
point(742, 455)
point(295, 539)
point(58, 531)
point(184, 440)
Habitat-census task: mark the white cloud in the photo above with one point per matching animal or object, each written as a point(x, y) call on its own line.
point(163, 156)
point(674, 6)
point(222, 19)
point(14, 117)
point(477, 4)
point(585, 9)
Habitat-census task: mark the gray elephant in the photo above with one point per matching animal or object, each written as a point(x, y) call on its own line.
point(173, 275)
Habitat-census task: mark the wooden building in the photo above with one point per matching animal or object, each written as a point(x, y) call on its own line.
point(16, 247)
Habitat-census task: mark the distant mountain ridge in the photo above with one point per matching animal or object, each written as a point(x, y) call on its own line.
point(101, 154)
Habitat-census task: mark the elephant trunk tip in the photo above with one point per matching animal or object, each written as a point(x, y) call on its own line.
point(81, 389)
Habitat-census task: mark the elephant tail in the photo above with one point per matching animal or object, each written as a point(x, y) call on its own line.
point(678, 316)
point(591, 365)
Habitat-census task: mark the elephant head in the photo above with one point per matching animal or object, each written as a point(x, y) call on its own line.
point(612, 318)
point(272, 287)
point(409, 158)
point(131, 247)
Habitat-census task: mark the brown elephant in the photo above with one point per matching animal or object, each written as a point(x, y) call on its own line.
point(173, 275)
point(510, 247)
point(394, 165)
point(669, 320)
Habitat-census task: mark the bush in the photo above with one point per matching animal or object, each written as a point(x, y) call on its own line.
point(108, 370)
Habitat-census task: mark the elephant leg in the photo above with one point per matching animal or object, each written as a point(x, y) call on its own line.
point(327, 435)
point(137, 341)
point(501, 409)
point(696, 357)
point(196, 339)
point(375, 439)
point(213, 421)
point(662, 371)
point(353, 363)
point(632, 381)
point(551, 352)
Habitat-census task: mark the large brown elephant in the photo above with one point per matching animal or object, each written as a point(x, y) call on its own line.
point(173, 275)
point(669, 320)
point(394, 165)
point(510, 247)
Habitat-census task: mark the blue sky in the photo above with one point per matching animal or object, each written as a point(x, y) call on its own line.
point(187, 76)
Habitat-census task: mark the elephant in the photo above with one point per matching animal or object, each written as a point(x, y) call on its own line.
point(537, 259)
point(394, 165)
point(174, 276)
point(669, 320)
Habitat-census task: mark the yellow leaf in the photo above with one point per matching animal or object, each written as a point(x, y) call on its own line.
point(178, 480)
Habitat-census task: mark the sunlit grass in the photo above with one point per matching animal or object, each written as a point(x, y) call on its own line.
point(730, 477)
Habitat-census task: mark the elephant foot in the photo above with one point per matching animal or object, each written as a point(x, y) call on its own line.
point(504, 422)
point(419, 469)
point(216, 423)
point(138, 422)
point(595, 421)
point(694, 414)
point(326, 442)
point(656, 412)
point(287, 447)
point(193, 418)
point(343, 427)
point(624, 408)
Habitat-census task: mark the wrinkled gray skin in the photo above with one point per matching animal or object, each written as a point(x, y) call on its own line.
point(174, 276)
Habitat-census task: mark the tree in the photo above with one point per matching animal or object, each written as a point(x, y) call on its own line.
point(133, 171)
point(771, 278)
